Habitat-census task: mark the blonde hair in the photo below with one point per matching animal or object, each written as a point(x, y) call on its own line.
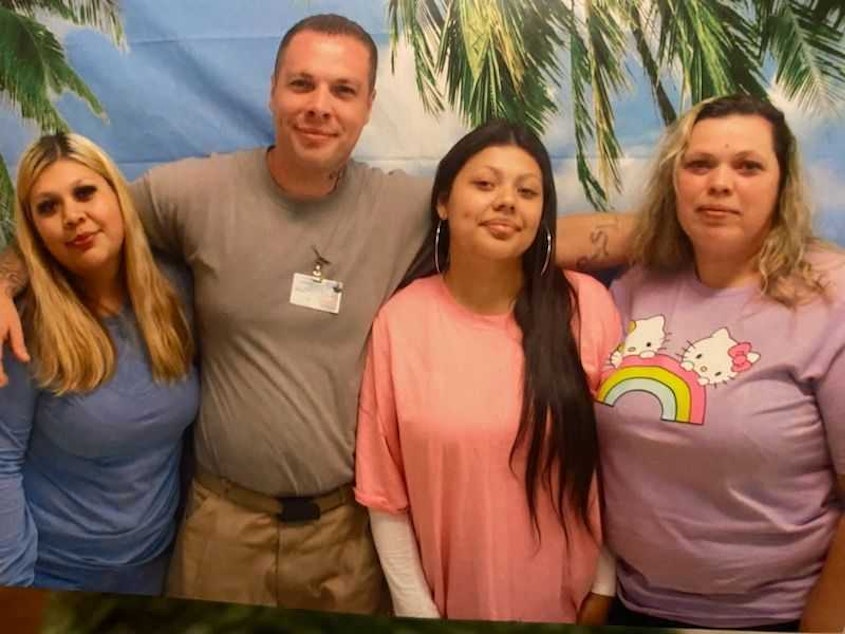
point(786, 275)
point(71, 347)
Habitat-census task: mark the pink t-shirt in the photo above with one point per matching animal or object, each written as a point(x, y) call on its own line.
point(439, 411)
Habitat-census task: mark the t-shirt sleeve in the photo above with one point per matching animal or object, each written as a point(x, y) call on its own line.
point(18, 538)
point(180, 278)
point(379, 469)
point(830, 395)
point(157, 207)
point(621, 291)
point(600, 326)
point(409, 222)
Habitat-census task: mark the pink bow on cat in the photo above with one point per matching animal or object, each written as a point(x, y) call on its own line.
point(739, 354)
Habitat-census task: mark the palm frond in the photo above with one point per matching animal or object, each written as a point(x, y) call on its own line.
point(639, 24)
point(713, 45)
point(7, 193)
point(807, 50)
point(829, 11)
point(607, 43)
point(419, 23)
point(580, 76)
point(498, 60)
point(539, 44)
point(103, 15)
point(33, 68)
point(597, 73)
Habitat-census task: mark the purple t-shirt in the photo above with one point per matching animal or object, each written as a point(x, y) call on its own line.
point(722, 428)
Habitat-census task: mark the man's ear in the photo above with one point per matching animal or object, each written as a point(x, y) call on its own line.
point(273, 79)
point(370, 100)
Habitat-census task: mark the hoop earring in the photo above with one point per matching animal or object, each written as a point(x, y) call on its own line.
point(548, 250)
point(437, 246)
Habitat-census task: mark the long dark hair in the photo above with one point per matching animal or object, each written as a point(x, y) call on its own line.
point(557, 426)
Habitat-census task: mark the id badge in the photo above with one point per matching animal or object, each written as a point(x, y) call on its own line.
point(317, 293)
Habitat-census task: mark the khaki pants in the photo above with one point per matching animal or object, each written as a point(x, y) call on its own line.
point(225, 552)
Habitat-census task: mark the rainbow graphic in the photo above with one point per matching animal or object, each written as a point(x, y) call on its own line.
point(681, 398)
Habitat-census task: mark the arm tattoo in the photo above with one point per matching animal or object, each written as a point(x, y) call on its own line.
point(13, 276)
point(599, 238)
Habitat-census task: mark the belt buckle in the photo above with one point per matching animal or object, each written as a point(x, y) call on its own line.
point(299, 509)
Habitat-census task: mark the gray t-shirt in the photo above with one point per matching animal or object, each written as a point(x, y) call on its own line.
point(280, 382)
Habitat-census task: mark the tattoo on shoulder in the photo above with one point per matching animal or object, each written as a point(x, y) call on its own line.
point(13, 277)
point(599, 239)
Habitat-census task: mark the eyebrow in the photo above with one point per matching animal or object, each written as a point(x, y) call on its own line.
point(694, 150)
point(521, 175)
point(310, 76)
point(741, 154)
point(73, 185)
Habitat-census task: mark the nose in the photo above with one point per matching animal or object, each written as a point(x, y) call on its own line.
point(505, 199)
point(73, 213)
point(720, 180)
point(318, 106)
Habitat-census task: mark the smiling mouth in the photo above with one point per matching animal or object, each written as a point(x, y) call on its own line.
point(83, 240)
point(716, 210)
point(500, 229)
point(318, 134)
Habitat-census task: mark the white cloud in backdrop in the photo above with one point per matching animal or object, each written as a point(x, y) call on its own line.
point(400, 130)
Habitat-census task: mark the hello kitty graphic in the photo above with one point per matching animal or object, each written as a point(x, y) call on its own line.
point(718, 358)
point(679, 382)
point(644, 339)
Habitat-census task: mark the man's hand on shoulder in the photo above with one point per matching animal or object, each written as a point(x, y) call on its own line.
point(11, 332)
point(13, 279)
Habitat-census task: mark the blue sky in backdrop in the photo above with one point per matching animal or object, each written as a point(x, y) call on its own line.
point(194, 78)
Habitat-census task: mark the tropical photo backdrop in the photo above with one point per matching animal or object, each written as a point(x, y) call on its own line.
point(157, 80)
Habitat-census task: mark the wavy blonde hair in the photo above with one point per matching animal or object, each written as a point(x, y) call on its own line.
point(71, 347)
point(659, 243)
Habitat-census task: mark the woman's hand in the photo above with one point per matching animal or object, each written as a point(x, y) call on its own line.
point(594, 610)
point(825, 608)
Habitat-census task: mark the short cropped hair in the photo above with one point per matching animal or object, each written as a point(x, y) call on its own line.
point(331, 24)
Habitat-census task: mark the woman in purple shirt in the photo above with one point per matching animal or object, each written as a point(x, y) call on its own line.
point(91, 428)
point(721, 416)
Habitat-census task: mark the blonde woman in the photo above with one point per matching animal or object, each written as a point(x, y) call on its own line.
point(722, 417)
point(91, 428)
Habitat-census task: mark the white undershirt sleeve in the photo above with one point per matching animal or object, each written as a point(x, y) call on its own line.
point(398, 552)
point(605, 581)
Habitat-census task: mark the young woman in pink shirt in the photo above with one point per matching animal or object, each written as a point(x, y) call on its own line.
point(477, 448)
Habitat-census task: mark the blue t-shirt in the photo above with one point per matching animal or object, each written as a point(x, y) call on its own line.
point(89, 482)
